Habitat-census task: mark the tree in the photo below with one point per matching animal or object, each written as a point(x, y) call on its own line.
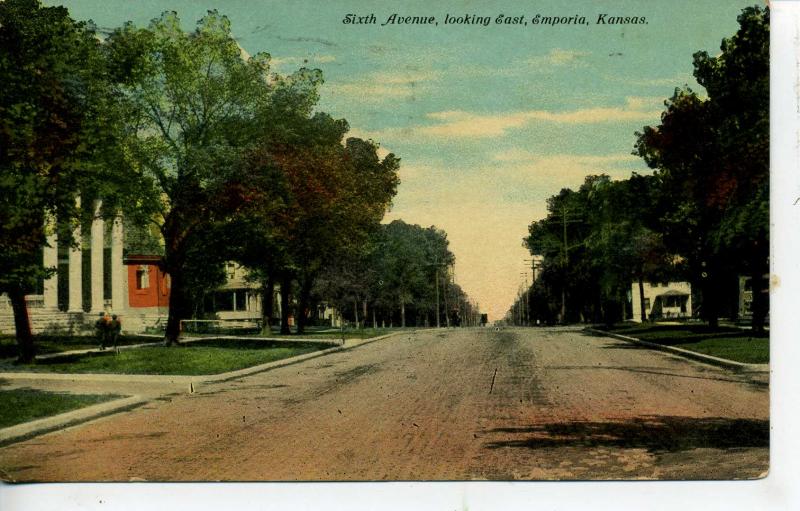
point(58, 139)
point(330, 196)
point(196, 105)
point(625, 241)
point(712, 157)
point(561, 238)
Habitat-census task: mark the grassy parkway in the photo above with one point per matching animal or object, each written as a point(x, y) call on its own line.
point(464, 404)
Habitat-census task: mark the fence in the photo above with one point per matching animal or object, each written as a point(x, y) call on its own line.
point(221, 326)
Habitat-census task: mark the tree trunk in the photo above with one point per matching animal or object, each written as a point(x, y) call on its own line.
point(178, 307)
point(364, 313)
point(355, 310)
point(302, 306)
point(374, 320)
point(760, 300)
point(22, 324)
point(402, 314)
point(710, 302)
point(267, 303)
point(286, 285)
point(641, 299)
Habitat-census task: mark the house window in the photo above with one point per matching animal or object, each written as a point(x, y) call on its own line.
point(143, 277)
point(647, 304)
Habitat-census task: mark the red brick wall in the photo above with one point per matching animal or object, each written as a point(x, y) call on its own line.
point(156, 294)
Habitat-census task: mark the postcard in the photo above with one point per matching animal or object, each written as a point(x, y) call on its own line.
point(385, 241)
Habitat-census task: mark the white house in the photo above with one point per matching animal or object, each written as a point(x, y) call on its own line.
point(662, 300)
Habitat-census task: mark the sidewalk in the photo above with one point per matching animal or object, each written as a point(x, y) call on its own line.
point(138, 389)
point(750, 369)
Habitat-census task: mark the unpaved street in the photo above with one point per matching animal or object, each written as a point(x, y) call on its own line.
point(457, 404)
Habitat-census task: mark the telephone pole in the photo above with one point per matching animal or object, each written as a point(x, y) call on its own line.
point(564, 218)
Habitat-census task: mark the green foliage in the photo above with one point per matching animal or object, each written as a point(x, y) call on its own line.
point(18, 406)
point(595, 241)
point(195, 106)
point(724, 342)
point(190, 360)
point(395, 274)
point(51, 71)
point(711, 155)
point(708, 197)
point(60, 138)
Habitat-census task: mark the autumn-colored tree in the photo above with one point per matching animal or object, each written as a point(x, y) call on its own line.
point(712, 157)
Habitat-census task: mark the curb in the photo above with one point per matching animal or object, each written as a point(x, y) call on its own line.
point(37, 427)
point(699, 357)
point(232, 375)
point(24, 431)
point(194, 380)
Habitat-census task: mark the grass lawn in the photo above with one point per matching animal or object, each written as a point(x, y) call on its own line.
point(57, 343)
point(724, 342)
point(24, 405)
point(201, 357)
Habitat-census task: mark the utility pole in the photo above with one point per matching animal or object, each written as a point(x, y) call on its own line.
point(565, 248)
point(526, 315)
point(437, 297)
point(446, 308)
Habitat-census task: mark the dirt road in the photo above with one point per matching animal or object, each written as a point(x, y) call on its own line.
point(457, 404)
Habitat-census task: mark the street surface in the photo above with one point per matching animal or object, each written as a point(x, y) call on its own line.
point(433, 405)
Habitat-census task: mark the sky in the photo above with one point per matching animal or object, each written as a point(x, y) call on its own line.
point(489, 121)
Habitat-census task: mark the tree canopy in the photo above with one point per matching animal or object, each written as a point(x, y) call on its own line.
point(59, 139)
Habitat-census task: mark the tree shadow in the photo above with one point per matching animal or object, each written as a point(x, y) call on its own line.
point(712, 376)
point(657, 434)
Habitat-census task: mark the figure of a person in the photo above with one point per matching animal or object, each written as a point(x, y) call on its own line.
point(102, 330)
point(114, 328)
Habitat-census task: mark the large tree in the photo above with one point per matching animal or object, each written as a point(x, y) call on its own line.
point(196, 105)
point(712, 156)
point(58, 138)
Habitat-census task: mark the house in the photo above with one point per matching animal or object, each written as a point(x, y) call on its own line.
point(100, 272)
point(662, 300)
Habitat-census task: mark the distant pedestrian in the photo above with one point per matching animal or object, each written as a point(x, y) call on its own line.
point(114, 328)
point(102, 331)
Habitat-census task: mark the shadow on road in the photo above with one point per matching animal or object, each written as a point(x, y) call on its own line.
point(661, 372)
point(657, 434)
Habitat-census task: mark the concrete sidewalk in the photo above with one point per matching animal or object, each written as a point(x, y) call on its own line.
point(754, 369)
point(138, 388)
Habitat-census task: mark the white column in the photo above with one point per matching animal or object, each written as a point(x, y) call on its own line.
point(50, 260)
point(119, 275)
point(75, 269)
point(98, 226)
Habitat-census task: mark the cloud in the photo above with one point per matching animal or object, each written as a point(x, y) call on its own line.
point(567, 169)
point(300, 61)
point(517, 155)
point(645, 102)
point(385, 85)
point(468, 125)
point(559, 57)
point(460, 124)
point(674, 81)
